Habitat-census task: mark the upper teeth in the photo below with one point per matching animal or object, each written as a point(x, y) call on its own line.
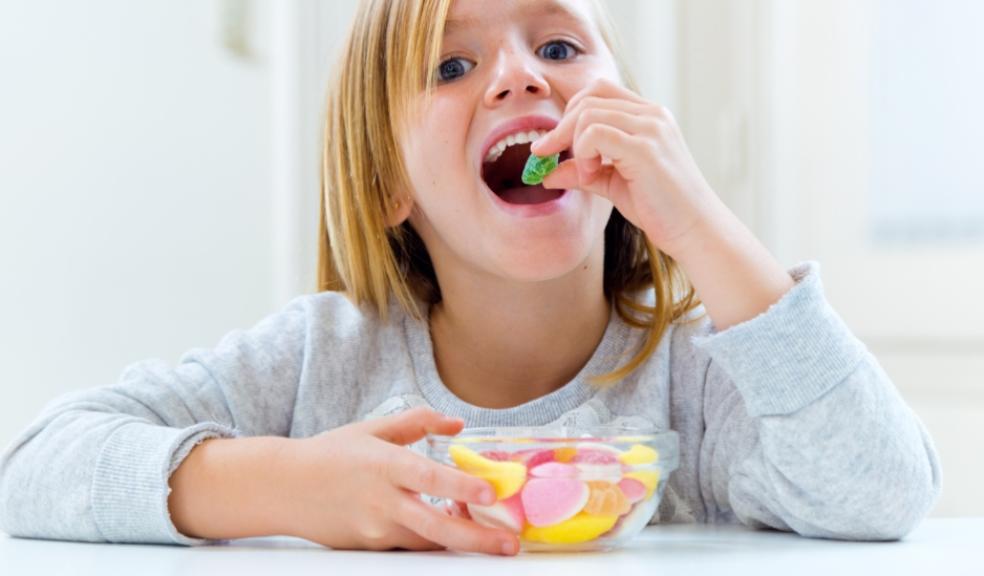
point(518, 138)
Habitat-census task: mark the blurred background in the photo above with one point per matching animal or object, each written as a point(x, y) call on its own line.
point(159, 175)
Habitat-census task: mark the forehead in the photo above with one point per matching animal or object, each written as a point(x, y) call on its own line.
point(471, 14)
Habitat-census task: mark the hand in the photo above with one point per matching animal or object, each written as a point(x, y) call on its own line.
point(651, 178)
point(357, 486)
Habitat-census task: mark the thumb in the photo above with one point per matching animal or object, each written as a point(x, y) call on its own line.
point(563, 177)
point(411, 425)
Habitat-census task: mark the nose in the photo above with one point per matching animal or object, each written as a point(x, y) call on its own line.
point(516, 74)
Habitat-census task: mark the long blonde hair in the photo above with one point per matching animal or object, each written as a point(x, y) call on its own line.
point(369, 102)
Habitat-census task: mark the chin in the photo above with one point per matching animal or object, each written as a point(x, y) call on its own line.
point(548, 261)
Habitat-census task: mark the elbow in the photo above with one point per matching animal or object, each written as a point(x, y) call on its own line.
point(6, 497)
point(888, 507)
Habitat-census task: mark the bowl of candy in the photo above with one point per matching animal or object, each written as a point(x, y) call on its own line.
point(563, 489)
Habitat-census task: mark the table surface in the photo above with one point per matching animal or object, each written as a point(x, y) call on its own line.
point(937, 546)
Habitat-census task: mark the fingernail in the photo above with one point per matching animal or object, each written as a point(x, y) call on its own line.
point(487, 498)
point(507, 547)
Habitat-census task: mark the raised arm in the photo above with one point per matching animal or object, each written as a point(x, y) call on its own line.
point(805, 431)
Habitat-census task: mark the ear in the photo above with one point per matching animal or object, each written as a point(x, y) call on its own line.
point(398, 210)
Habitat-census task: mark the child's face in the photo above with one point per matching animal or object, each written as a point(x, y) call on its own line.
point(505, 60)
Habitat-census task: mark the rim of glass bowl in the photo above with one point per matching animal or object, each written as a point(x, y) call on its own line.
point(665, 442)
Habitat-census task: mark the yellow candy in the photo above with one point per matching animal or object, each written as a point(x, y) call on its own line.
point(580, 528)
point(649, 479)
point(639, 455)
point(506, 477)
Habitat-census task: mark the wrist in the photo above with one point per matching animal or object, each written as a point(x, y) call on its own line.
point(735, 276)
point(706, 230)
point(230, 488)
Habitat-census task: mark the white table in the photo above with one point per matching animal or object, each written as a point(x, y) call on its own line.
point(937, 546)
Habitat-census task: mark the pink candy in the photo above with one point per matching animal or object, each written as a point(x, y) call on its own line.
point(548, 501)
point(534, 457)
point(497, 455)
point(595, 456)
point(633, 489)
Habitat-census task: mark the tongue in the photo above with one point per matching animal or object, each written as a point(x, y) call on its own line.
point(529, 195)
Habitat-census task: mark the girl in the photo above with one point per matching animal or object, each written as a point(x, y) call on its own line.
point(451, 294)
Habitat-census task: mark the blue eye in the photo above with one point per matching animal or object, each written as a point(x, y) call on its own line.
point(556, 49)
point(452, 68)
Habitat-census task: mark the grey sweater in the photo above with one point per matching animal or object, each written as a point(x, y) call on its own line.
point(785, 421)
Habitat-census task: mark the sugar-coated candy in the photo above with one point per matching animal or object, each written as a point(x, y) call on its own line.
point(533, 457)
point(638, 455)
point(548, 501)
point(606, 499)
point(505, 477)
point(580, 528)
point(507, 514)
point(633, 489)
point(537, 168)
point(596, 455)
point(564, 453)
point(649, 479)
point(554, 470)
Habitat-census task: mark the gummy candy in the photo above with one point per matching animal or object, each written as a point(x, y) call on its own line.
point(606, 499)
point(565, 495)
point(537, 168)
point(506, 477)
point(639, 455)
point(580, 528)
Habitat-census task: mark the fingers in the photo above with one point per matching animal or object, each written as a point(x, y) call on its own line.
point(586, 171)
point(406, 539)
point(419, 474)
point(604, 88)
point(452, 532)
point(598, 140)
point(564, 177)
point(632, 117)
point(412, 425)
point(599, 95)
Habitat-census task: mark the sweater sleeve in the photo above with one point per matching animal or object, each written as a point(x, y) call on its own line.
point(95, 464)
point(804, 429)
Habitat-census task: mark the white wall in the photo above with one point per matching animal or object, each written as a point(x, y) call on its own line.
point(134, 190)
point(648, 31)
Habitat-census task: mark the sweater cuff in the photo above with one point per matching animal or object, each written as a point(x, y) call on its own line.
point(130, 485)
point(790, 355)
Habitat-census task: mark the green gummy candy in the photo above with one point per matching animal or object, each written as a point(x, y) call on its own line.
point(537, 168)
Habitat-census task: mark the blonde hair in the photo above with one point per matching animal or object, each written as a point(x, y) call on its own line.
point(369, 103)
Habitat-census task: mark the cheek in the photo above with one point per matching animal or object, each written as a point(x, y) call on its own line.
point(598, 69)
point(440, 145)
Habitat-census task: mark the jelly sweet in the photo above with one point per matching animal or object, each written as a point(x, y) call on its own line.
point(563, 496)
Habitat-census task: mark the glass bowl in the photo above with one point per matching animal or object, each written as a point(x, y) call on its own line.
point(563, 489)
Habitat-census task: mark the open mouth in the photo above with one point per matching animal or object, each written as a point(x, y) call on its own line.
point(504, 177)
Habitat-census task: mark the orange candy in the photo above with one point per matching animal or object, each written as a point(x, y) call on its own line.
point(565, 453)
point(606, 499)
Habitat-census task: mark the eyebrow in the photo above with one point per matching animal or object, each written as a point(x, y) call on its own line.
point(541, 7)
